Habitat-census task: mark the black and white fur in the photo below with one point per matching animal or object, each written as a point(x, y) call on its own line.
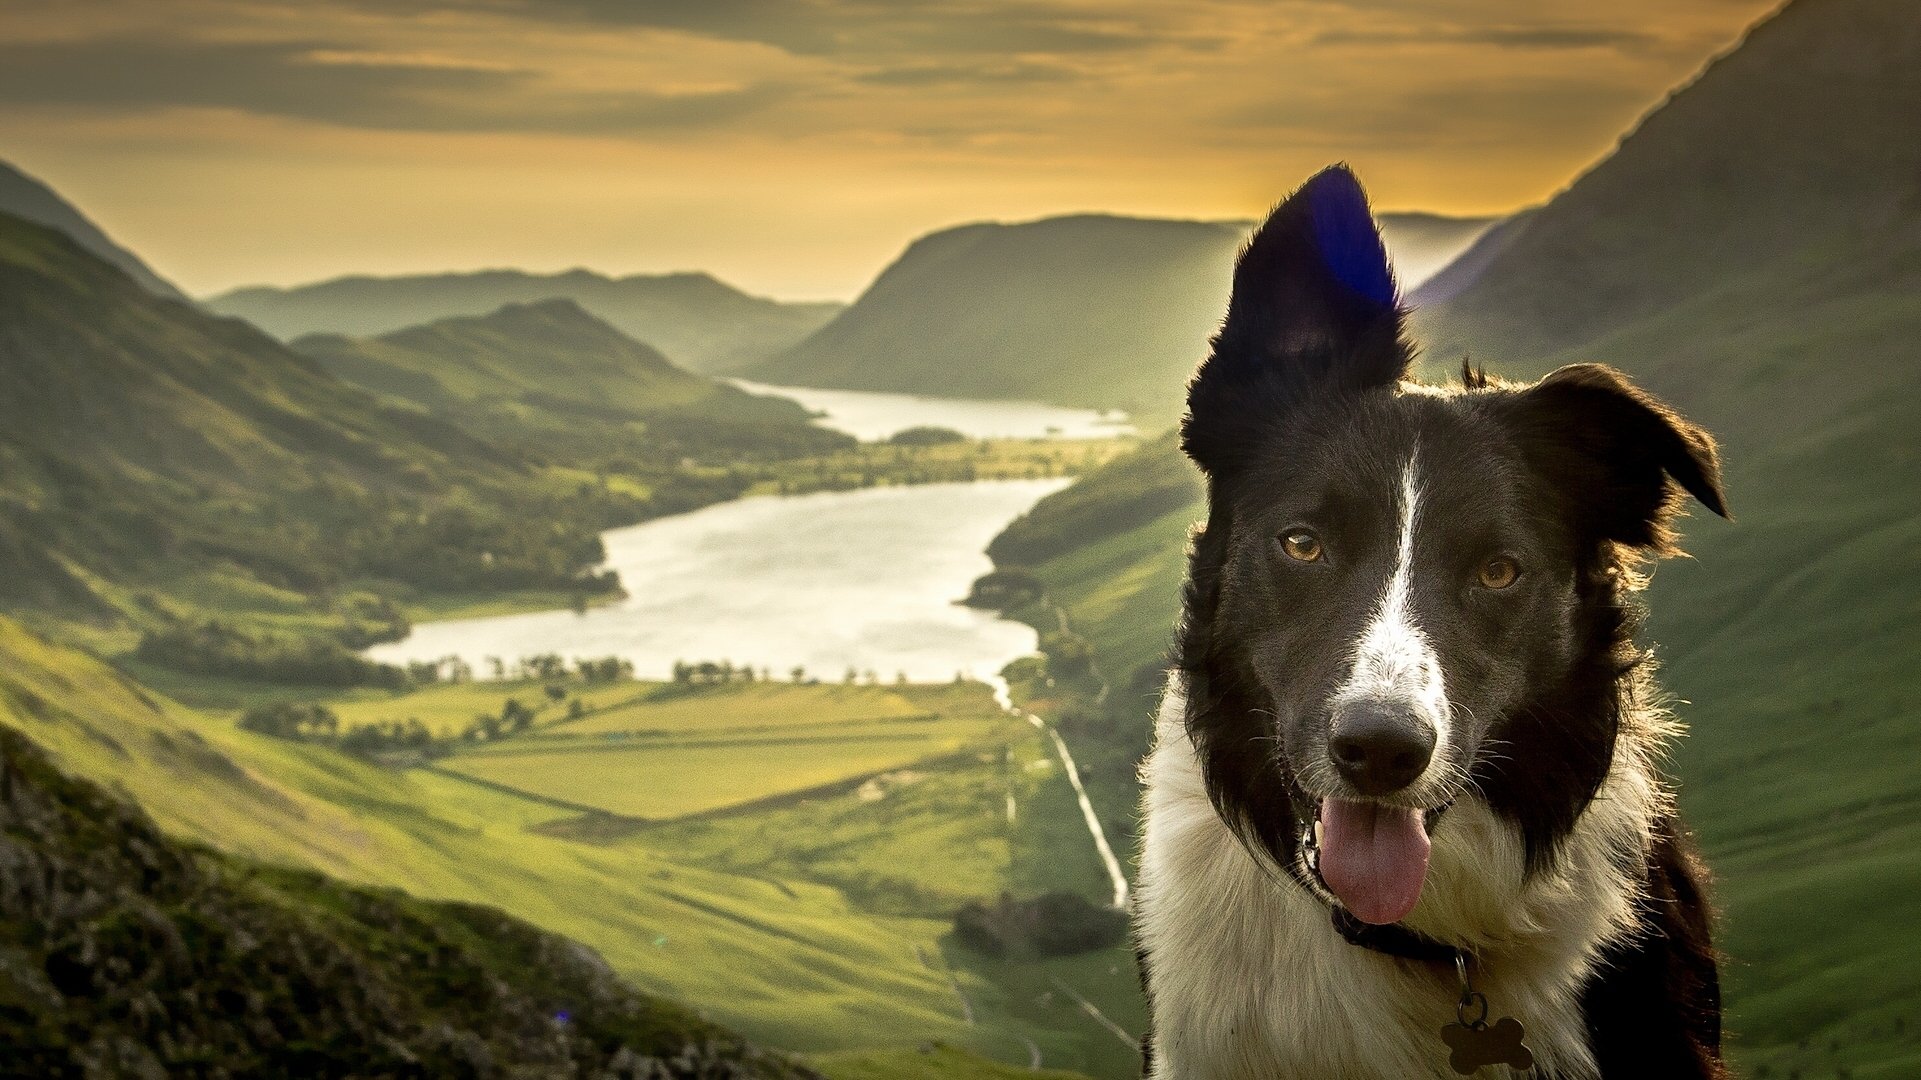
point(1557, 860)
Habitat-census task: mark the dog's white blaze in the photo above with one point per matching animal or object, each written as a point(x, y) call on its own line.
point(1393, 659)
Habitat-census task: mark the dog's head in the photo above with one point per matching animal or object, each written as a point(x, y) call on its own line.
point(1402, 592)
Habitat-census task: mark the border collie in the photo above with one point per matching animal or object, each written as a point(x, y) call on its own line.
point(1405, 815)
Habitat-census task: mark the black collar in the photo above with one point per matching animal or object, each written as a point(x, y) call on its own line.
point(1392, 939)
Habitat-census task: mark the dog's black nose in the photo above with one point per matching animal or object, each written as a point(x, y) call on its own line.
point(1380, 748)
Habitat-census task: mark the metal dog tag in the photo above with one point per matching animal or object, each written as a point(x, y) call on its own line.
point(1472, 1043)
point(1475, 1046)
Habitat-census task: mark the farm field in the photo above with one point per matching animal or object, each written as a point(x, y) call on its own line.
point(674, 751)
point(921, 841)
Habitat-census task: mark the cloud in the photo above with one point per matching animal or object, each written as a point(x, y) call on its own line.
point(1504, 37)
point(284, 78)
point(338, 84)
point(923, 75)
point(851, 28)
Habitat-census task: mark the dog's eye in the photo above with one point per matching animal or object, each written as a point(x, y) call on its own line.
point(1301, 545)
point(1499, 572)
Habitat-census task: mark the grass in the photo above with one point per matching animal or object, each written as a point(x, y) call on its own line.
point(932, 1061)
point(916, 844)
point(792, 963)
point(741, 916)
point(760, 706)
point(666, 751)
point(674, 781)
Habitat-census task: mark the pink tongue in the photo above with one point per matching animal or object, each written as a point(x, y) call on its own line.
point(1374, 858)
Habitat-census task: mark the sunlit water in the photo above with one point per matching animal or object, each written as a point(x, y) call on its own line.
point(870, 416)
point(863, 579)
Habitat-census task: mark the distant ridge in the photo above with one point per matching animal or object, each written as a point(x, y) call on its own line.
point(700, 322)
point(546, 355)
point(1087, 309)
point(31, 200)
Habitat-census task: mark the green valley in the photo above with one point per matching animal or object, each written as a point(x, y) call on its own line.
point(732, 910)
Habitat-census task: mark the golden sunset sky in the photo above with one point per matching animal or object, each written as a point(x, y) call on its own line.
point(791, 147)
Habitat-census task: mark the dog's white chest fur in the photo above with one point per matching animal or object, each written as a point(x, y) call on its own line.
point(1248, 978)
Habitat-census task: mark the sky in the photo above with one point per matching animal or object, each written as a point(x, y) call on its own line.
point(791, 147)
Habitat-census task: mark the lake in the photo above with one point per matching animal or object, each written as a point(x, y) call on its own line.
point(864, 579)
point(868, 416)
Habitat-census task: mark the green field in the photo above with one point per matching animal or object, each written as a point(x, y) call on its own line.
point(667, 752)
point(668, 781)
point(816, 924)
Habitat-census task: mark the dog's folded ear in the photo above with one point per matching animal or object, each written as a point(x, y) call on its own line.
point(1314, 309)
point(1612, 448)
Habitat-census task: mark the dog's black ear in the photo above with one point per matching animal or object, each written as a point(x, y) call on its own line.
point(1314, 309)
point(1612, 449)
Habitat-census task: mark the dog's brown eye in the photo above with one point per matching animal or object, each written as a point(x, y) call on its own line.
point(1499, 573)
point(1301, 545)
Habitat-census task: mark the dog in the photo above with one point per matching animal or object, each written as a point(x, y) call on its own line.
point(1405, 816)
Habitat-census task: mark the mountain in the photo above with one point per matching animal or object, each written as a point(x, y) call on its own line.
point(1752, 253)
point(550, 376)
point(700, 322)
point(1465, 268)
point(548, 348)
point(146, 445)
point(24, 197)
point(1422, 245)
point(126, 953)
point(1084, 310)
point(141, 435)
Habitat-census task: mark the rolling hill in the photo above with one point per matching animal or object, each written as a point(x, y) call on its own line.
point(698, 321)
point(1084, 310)
point(141, 435)
point(1751, 252)
point(24, 197)
point(549, 354)
point(815, 924)
point(150, 957)
point(572, 389)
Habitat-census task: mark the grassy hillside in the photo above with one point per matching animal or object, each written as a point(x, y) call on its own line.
point(150, 957)
point(1083, 310)
point(554, 378)
point(1752, 253)
point(703, 324)
point(853, 959)
point(143, 440)
point(30, 200)
point(551, 347)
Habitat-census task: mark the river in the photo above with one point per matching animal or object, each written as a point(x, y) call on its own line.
point(863, 579)
point(829, 581)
